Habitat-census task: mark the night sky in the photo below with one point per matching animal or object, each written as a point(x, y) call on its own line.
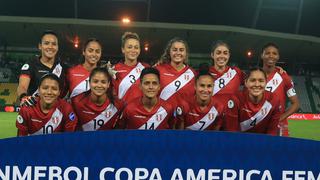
point(275, 15)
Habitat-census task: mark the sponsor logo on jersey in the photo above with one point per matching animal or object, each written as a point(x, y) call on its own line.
point(141, 117)
point(230, 104)
point(168, 74)
point(247, 110)
point(72, 116)
point(88, 112)
point(25, 67)
point(20, 119)
point(193, 114)
point(36, 120)
point(78, 75)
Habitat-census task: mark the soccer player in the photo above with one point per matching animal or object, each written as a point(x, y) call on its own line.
point(206, 112)
point(148, 112)
point(176, 77)
point(97, 109)
point(259, 110)
point(126, 84)
point(50, 114)
point(280, 84)
point(78, 76)
point(33, 70)
point(227, 79)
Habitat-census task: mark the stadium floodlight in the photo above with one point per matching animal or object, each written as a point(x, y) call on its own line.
point(126, 20)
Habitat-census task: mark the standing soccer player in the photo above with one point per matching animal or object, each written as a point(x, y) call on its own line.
point(78, 76)
point(280, 84)
point(258, 109)
point(50, 114)
point(148, 112)
point(126, 84)
point(97, 109)
point(33, 70)
point(176, 77)
point(227, 79)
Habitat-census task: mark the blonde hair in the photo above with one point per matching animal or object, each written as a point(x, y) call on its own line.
point(129, 35)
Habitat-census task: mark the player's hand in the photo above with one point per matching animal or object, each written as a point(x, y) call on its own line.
point(111, 70)
point(28, 101)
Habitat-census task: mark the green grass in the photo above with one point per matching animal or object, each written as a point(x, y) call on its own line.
point(8, 124)
point(298, 129)
point(305, 129)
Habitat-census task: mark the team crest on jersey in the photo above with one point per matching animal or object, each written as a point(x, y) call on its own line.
point(25, 67)
point(138, 70)
point(230, 104)
point(159, 117)
point(108, 114)
point(275, 82)
point(72, 116)
point(263, 111)
point(55, 120)
point(20, 119)
point(211, 116)
point(186, 77)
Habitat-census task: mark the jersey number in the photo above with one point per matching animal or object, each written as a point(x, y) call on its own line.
point(254, 122)
point(133, 79)
point(149, 128)
point(221, 83)
point(87, 84)
point(98, 123)
point(202, 125)
point(269, 88)
point(177, 84)
point(47, 129)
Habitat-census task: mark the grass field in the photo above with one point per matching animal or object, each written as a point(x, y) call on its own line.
point(298, 129)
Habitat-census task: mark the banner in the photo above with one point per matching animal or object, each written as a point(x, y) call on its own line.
point(159, 155)
point(304, 117)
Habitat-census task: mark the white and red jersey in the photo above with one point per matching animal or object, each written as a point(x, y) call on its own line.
point(33, 121)
point(94, 117)
point(176, 85)
point(126, 85)
point(78, 80)
point(212, 117)
point(228, 81)
point(280, 85)
point(135, 116)
point(258, 118)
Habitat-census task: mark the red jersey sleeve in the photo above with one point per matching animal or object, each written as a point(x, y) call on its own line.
point(289, 86)
point(22, 122)
point(273, 128)
point(70, 118)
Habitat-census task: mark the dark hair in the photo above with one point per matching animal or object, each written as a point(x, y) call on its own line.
point(149, 70)
point(85, 47)
point(50, 76)
point(217, 43)
point(89, 41)
point(46, 32)
point(256, 68)
point(129, 35)
point(105, 72)
point(270, 44)
point(165, 57)
point(203, 71)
